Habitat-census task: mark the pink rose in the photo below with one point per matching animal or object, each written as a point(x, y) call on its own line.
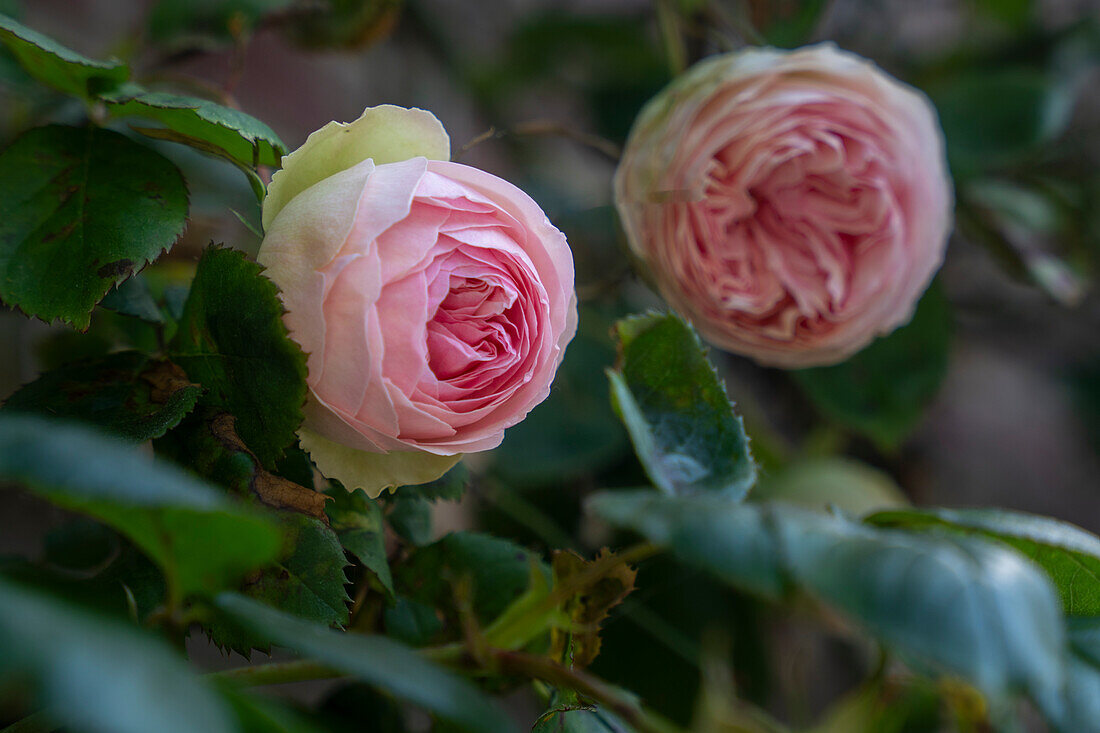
point(434, 300)
point(793, 205)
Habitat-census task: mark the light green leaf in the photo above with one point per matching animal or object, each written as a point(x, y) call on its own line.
point(204, 125)
point(81, 209)
point(376, 660)
point(98, 674)
point(125, 393)
point(1069, 554)
point(835, 481)
point(202, 540)
point(676, 410)
point(882, 391)
point(957, 604)
point(50, 62)
point(233, 342)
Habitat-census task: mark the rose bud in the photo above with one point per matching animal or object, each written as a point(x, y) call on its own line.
point(792, 205)
point(434, 300)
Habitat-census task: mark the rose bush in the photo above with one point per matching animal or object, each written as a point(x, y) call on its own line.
point(434, 300)
point(793, 205)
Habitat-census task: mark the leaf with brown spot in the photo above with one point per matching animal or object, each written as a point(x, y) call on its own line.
point(578, 646)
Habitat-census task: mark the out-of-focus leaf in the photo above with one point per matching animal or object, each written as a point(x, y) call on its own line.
point(204, 125)
point(99, 674)
point(376, 660)
point(200, 538)
point(260, 714)
point(882, 391)
point(358, 523)
point(345, 23)
point(836, 481)
point(959, 604)
point(676, 410)
point(132, 297)
point(63, 69)
point(1014, 13)
point(1069, 554)
point(793, 27)
point(125, 393)
point(579, 645)
point(411, 622)
point(410, 515)
point(81, 209)
point(233, 342)
point(218, 18)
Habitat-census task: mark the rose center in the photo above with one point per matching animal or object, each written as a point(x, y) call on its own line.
point(471, 328)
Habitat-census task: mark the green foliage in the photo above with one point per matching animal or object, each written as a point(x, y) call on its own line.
point(376, 660)
point(793, 28)
point(126, 393)
point(675, 408)
point(218, 18)
point(81, 209)
point(881, 392)
point(497, 572)
point(132, 297)
point(958, 604)
point(203, 125)
point(843, 483)
point(99, 674)
point(1070, 555)
point(232, 341)
point(53, 64)
point(201, 540)
point(360, 527)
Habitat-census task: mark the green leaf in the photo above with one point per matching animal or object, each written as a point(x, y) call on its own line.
point(53, 64)
point(1069, 554)
point(882, 391)
point(958, 604)
point(359, 525)
point(794, 26)
point(410, 516)
point(133, 297)
point(309, 581)
point(125, 393)
point(215, 17)
point(98, 674)
point(81, 209)
point(676, 410)
point(201, 539)
point(232, 341)
point(567, 714)
point(1084, 637)
point(204, 125)
point(1015, 13)
point(258, 714)
point(376, 660)
point(498, 572)
point(448, 487)
point(411, 622)
point(833, 481)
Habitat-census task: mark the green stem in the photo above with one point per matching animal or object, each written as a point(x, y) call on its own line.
point(279, 673)
point(611, 697)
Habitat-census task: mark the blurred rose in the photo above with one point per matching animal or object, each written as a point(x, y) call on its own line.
point(435, 300)
point(793, 205)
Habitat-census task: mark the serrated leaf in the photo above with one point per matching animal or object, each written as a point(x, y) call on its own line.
point(358, 523)
point(958, 604)
point(676, 410)
point(202, 540)
point(882, 391)
point(63, 69)
point(232, 341)
point(578, 645)
point(125, 393)
point(497, 570)
point(96, 673)
point(81, 209)
point(376, 660)
point(567, 714)
point(204, 125)
point(1069, 554)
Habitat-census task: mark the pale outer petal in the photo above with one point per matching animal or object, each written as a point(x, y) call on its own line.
point(384, 134)
point(373, 472)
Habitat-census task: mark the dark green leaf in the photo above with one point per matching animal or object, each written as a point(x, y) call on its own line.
point(411, 622)
point(567, 714)
point(794, 26)
point(232, 341)
point(1069, 554)
point(259, 714)
point(376, 660)
point(448, 487)
point(99, 674)
point(959, 604)
point(358, 523)
point(498, 572)
point(410, 516)
point(676, 410)
point(202, 540)
point(81, 209)
point(52, 63)
point(214, 17)
point(882, 391)
point(125, 393)
point(1015, 13)
point(203, 125)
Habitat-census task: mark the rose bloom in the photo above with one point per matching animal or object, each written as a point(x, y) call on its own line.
point(793, 205)
point(434, 300)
